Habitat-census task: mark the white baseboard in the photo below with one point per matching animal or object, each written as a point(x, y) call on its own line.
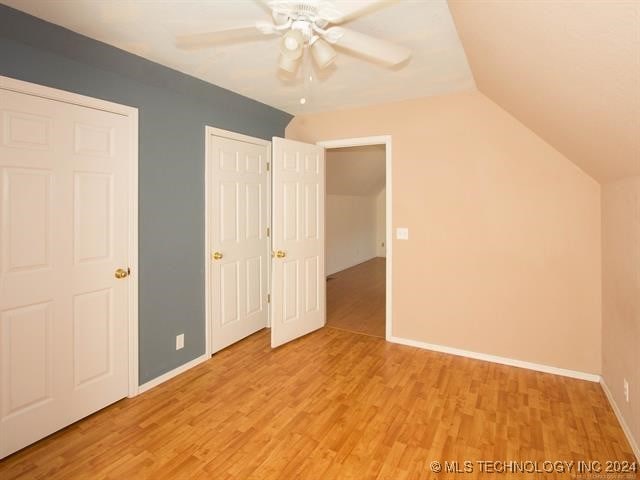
point(495, 359)
point(351, 265)
point(173, 373)
point(623, 423)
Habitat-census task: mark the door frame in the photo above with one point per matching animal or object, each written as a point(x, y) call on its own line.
point(28, 88)
point(385, 140)
point(218, 132)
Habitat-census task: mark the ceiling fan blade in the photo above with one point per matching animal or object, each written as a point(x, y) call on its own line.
point(264, 4)
point(373, 48)
point(340, 11)
point(220, 37)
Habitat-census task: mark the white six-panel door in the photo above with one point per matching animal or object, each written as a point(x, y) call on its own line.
point(298, 278)
point(238, 222)
point(64, 199)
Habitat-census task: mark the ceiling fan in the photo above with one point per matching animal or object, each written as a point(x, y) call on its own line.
point(309, 24)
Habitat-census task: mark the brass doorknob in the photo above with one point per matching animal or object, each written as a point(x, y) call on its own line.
point(216, 255)
point(121, 273)
point(280, 254)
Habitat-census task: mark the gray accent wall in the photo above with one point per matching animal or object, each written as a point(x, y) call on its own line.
point(174, 110)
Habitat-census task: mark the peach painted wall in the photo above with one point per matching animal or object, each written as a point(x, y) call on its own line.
point(504, 255)
point(350, 231)
point(621, 296)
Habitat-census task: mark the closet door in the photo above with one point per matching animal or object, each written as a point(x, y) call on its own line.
point(238, 223)
point(64, 230)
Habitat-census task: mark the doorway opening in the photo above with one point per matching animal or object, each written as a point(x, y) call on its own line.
point(357, 235)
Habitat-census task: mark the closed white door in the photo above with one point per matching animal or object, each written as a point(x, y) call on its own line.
point(63, 233)
point(298, 279)
point(238, 221)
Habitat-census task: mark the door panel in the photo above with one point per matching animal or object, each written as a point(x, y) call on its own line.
point(93, 203)
point(253, 210)
point(228, 211)
point(312, 300)
point(26, 348)
point(298, 286)
point(92, 325)
point(230, 298)
point(238, 188)
point(27, 219)
point(290, 279)
point(255, 290)
point(311, 198)
point(64, 192)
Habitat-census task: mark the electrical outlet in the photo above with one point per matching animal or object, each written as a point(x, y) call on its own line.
point(180, 341)
point(626, 390)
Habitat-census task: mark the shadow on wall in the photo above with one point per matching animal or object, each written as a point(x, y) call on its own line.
point(621, 298)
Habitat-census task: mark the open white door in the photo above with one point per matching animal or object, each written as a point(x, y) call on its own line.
point(298, 283)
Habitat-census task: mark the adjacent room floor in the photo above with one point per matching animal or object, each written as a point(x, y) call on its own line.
point(331, 405)
point(356, 298)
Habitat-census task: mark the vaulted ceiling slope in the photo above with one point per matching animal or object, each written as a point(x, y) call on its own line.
point(356, 170)
point(569, 70)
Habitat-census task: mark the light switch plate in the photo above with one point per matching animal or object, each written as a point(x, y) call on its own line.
point(402, 233)
point(180, 341)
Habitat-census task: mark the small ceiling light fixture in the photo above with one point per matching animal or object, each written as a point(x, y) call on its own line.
point(288, 64)
point(292, 44)
point(303, 101)
point(323, 54)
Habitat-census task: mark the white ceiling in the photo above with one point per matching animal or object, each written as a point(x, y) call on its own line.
point(356, 171)
point(149, 28)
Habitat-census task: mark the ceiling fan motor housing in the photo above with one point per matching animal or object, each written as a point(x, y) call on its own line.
point(305, 11)
point(304, 27)
point(309, 9)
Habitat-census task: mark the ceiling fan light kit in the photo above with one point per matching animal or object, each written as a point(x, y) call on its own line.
point(288, 64)
point(310, 24)
point(292, 44)
point(323, 54)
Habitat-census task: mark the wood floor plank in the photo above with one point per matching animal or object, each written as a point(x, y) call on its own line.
point(332, 405)
point(356, 298)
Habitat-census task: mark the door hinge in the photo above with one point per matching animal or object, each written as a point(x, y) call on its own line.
point(268, 166)
point(268, 298)
point(268, 232)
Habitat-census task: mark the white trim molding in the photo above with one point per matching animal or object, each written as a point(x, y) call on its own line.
point(625, 428)
point(591, 377)
point(173, 373)
point(385, 140)
point(41, 91)
point(131, 113)
point(218, 132)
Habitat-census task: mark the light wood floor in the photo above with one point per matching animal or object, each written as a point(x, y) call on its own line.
point(356, 298)
point(332, 405)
